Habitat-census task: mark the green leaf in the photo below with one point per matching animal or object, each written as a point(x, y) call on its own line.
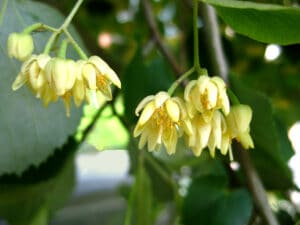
point(272, 147)
point(210, 202)
point(29, 132)
point(38, 192)
point(263, 22)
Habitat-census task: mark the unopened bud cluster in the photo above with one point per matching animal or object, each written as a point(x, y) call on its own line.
point(51, 78)
point(204, 117)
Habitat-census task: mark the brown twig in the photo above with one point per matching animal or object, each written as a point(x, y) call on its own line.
point(158, 40)
point(255, 186)
point(213, 40)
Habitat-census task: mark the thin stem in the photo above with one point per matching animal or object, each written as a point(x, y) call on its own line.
point(64, 29)
point(256, 187)
point(71, 15)
point(212, 39)
point(63, 49)
point(50, 41)
point(179, 80)
point(75, 45)
point(196, 38)
point(38, 27)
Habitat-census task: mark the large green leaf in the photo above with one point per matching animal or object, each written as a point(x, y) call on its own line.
point(263, 22)
point(29, 132)
point(272, 147)
point(34, 196)
point(209, 201)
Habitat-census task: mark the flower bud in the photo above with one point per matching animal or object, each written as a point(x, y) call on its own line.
point(20, 46)
point(238, 124)
point(61, 75)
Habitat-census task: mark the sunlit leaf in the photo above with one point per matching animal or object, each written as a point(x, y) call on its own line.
point(263, 22)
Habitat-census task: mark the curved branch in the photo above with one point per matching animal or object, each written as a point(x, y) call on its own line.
point(213, 40)
point(217, 56)
point(157, 38)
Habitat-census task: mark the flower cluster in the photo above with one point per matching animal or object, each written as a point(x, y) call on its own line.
point(204, 117)
point(51, 78)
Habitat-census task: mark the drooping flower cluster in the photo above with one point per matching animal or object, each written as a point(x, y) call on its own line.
point(162, 121)
point(204, 117)
point(51, 78)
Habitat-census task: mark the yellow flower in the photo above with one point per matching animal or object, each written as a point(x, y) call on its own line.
point(20, 46)
point(33, 73)
point(98, 76)
point(79, 91)
point(206, 95)
point(207, 133)
point(61, 75)
point(238, 124)
point(163, 120)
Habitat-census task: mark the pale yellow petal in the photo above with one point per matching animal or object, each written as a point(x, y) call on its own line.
point(216, 133)
point(105, 90)
point(226, 141)
point(202, 83)
point(143, 140)
point(204, 130)
point(246, 140)
point(42, 60)
point(20, 80)
point(182, 107)
point(195, 100)
point(160, 98)
point(238, 120)
point(187, 127)
point(78, 92)
point(147, 113)
point(143, 103)
point(71, 74)
point(197, 150)
point(59, 76)
point(89, 75)
point(173, 110)
point(105, 70)
point(225, 104)
point(170, 140)
point(211, 96)
point(154, 138)
point(138, 129)
point(188, 89)
point(34, 71)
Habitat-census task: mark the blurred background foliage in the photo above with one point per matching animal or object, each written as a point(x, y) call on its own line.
point(211, 191)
